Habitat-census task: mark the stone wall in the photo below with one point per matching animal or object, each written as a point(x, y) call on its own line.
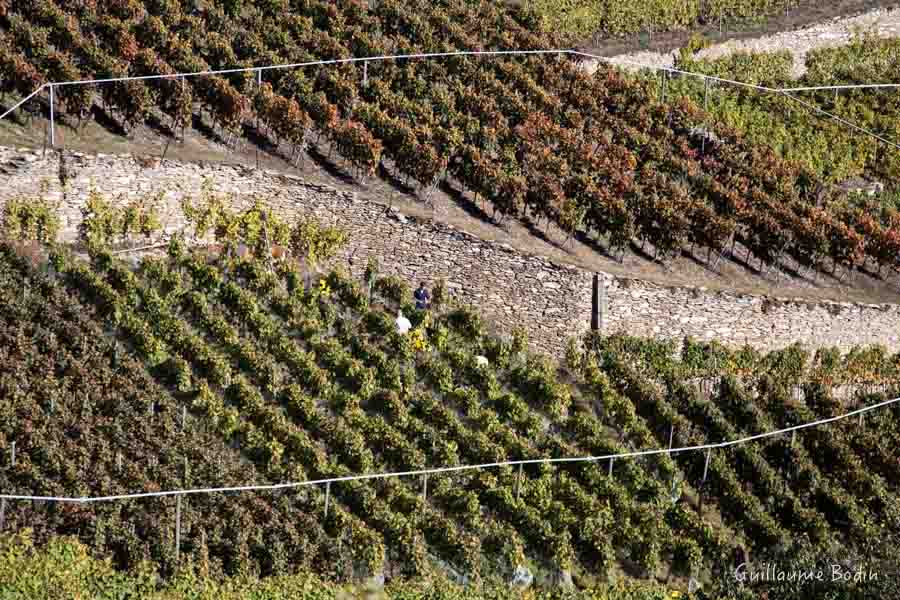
point(552, 301)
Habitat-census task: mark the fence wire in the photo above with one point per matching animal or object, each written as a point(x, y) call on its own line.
point(444, 470)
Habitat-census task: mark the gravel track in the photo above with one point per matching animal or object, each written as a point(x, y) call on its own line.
point(835, 32)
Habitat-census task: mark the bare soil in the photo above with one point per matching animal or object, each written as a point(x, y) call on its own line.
point(450, 206)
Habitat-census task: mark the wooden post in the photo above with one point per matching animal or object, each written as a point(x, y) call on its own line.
point(12, 449)
point(610, 466)
point(2, 512)
point(365, 73)
point(327, 497)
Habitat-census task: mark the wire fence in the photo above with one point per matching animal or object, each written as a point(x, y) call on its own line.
point(667, 71)
point(424, 473)
point(859, 412)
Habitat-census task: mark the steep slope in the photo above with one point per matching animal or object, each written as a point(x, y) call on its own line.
point(318, 384)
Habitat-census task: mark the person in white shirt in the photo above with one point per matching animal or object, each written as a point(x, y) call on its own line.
point(403, 324)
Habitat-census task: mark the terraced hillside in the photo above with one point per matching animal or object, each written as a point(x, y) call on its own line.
point(598, 155)
point(802, 135)
point(283, 382)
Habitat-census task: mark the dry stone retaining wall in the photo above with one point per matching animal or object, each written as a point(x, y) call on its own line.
point(552, 301)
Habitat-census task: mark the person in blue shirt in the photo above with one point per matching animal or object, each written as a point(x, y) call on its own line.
point(422, 297)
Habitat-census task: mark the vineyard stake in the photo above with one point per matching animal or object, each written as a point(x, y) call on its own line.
point(671, 435)
point(13, 453)
point(793, 438)
point(119, 462)
point(183, 416)
point(706, 465)
point(2, 512)
point(365, 73)
point(425, 487)
point(327, 497)
point(177, 527)
point(610, 466)
point(52, 119)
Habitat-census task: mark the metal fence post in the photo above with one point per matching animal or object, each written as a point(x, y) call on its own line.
point(705, 93)
point(705, 105)
point(598, 304)
point(52, 118)
point(258, 90)
point(518, 481)
point(184, 125)
point(177, 528)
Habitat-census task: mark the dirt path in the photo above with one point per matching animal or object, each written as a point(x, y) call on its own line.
point(834, 32)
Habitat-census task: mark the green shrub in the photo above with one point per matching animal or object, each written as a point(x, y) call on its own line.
point(30, 220)
point(393, 288)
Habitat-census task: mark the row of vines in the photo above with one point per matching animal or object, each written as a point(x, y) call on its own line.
point(537, 138)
